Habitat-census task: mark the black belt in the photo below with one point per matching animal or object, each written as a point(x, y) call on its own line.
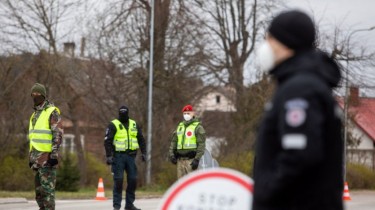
point(189, 155)
point(127, 151)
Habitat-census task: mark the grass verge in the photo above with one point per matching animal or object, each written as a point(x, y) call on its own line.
point(81, 194)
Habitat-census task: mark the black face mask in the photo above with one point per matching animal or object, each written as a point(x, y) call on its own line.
point(38, 100)
point(123, 117)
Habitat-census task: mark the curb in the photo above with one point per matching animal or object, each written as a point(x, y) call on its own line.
point(12, 200)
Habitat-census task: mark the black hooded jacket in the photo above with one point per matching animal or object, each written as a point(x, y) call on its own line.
point(299, 148)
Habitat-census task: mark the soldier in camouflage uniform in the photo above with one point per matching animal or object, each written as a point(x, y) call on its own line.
point(45, 136)
point(188, 143)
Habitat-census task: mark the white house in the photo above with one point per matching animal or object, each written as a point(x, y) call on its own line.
point(214, 106)
point(361, 128)
point(216, 99)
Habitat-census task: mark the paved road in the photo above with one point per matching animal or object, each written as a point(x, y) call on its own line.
point(144, 204)
point(361, 200)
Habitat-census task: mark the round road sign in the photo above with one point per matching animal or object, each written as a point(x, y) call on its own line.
point(212, 189)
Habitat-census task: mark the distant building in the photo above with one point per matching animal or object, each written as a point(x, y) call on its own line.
point(214, 106)
point(361, 128)
point(213, 98)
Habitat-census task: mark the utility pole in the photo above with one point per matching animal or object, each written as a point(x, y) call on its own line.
point(150, 81)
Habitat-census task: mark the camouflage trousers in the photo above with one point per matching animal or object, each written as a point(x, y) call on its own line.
point(45, 182)
point(183, 167)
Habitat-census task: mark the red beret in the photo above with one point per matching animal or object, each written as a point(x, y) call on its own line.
point(187, 108)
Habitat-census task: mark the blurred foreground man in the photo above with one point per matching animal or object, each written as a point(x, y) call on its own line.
point(122, 139)
point(299, 151)
point(45, 136)
point(188, 143)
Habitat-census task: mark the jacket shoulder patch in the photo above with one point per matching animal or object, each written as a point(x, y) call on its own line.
point(296, 112)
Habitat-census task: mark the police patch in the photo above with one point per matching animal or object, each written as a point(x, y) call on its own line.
point(296, 112)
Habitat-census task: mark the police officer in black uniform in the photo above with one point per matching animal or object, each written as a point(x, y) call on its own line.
point(122, 139)
point(299, 148)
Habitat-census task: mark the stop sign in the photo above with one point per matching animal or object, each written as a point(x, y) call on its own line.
point(216, 188)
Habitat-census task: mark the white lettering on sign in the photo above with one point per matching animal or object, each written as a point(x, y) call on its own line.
point(212, 189)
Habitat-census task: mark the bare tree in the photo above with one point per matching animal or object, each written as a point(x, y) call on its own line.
point(352, 54)
point(234, 27)
point(36, 24)
point(13, 106)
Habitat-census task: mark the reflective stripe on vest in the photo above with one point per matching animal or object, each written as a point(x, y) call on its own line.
point(40, 135)
point(125, 139)
point(186, 138)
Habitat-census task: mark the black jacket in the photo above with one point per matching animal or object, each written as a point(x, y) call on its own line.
point(299, 149)
point(110, 134)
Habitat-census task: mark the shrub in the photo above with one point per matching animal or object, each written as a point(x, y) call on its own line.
point(15, 175)
point(68, 175)
point(360, 177)
point(167, 175)
point(242, 162)
point(97, 169)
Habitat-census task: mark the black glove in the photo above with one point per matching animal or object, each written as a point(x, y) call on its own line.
point(194, 164)
point(109, 160)
point(52, 162)
point(30, 164)
point(144, 157)
point(173, 160)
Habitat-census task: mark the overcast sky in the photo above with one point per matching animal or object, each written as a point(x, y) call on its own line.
point(354, 14)
point(351, 14)
point(357, 11)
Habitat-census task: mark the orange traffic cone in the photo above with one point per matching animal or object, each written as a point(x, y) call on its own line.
point(100, 193)
point(346, 195)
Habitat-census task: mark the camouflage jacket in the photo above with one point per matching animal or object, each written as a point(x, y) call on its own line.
point(39, 159)
point(201, 142)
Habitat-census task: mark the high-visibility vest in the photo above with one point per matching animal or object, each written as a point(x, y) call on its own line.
point(186, 138)
point(125, 139)
point(40, 135)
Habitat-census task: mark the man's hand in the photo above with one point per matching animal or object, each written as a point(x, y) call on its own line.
point(52, 162)
point(173, 160)
point(194, 164)
point(144, 157)
point(30, 164)
point(109, 160)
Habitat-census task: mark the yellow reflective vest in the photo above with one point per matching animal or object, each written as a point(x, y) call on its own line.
point(186, 138)
point(125, 139)
point(40, 135)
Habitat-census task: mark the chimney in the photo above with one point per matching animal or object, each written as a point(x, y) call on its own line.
point(354, 96)
point(83, 46)
point(69, 48)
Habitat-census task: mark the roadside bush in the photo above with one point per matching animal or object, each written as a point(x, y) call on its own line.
point(242, 162)
point(167, 175)
point(15, 174)
point(97, 169)
point(68, 175)
point(360, 177)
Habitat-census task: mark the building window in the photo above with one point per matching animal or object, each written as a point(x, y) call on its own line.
point(68, 145)
point(217, 99)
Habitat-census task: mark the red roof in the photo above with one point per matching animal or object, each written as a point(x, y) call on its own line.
point(364, 114)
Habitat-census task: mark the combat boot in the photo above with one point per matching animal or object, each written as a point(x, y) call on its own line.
point(132, 208)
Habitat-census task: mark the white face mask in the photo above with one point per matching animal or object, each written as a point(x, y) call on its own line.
point(265, 57)
point(187, 117)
